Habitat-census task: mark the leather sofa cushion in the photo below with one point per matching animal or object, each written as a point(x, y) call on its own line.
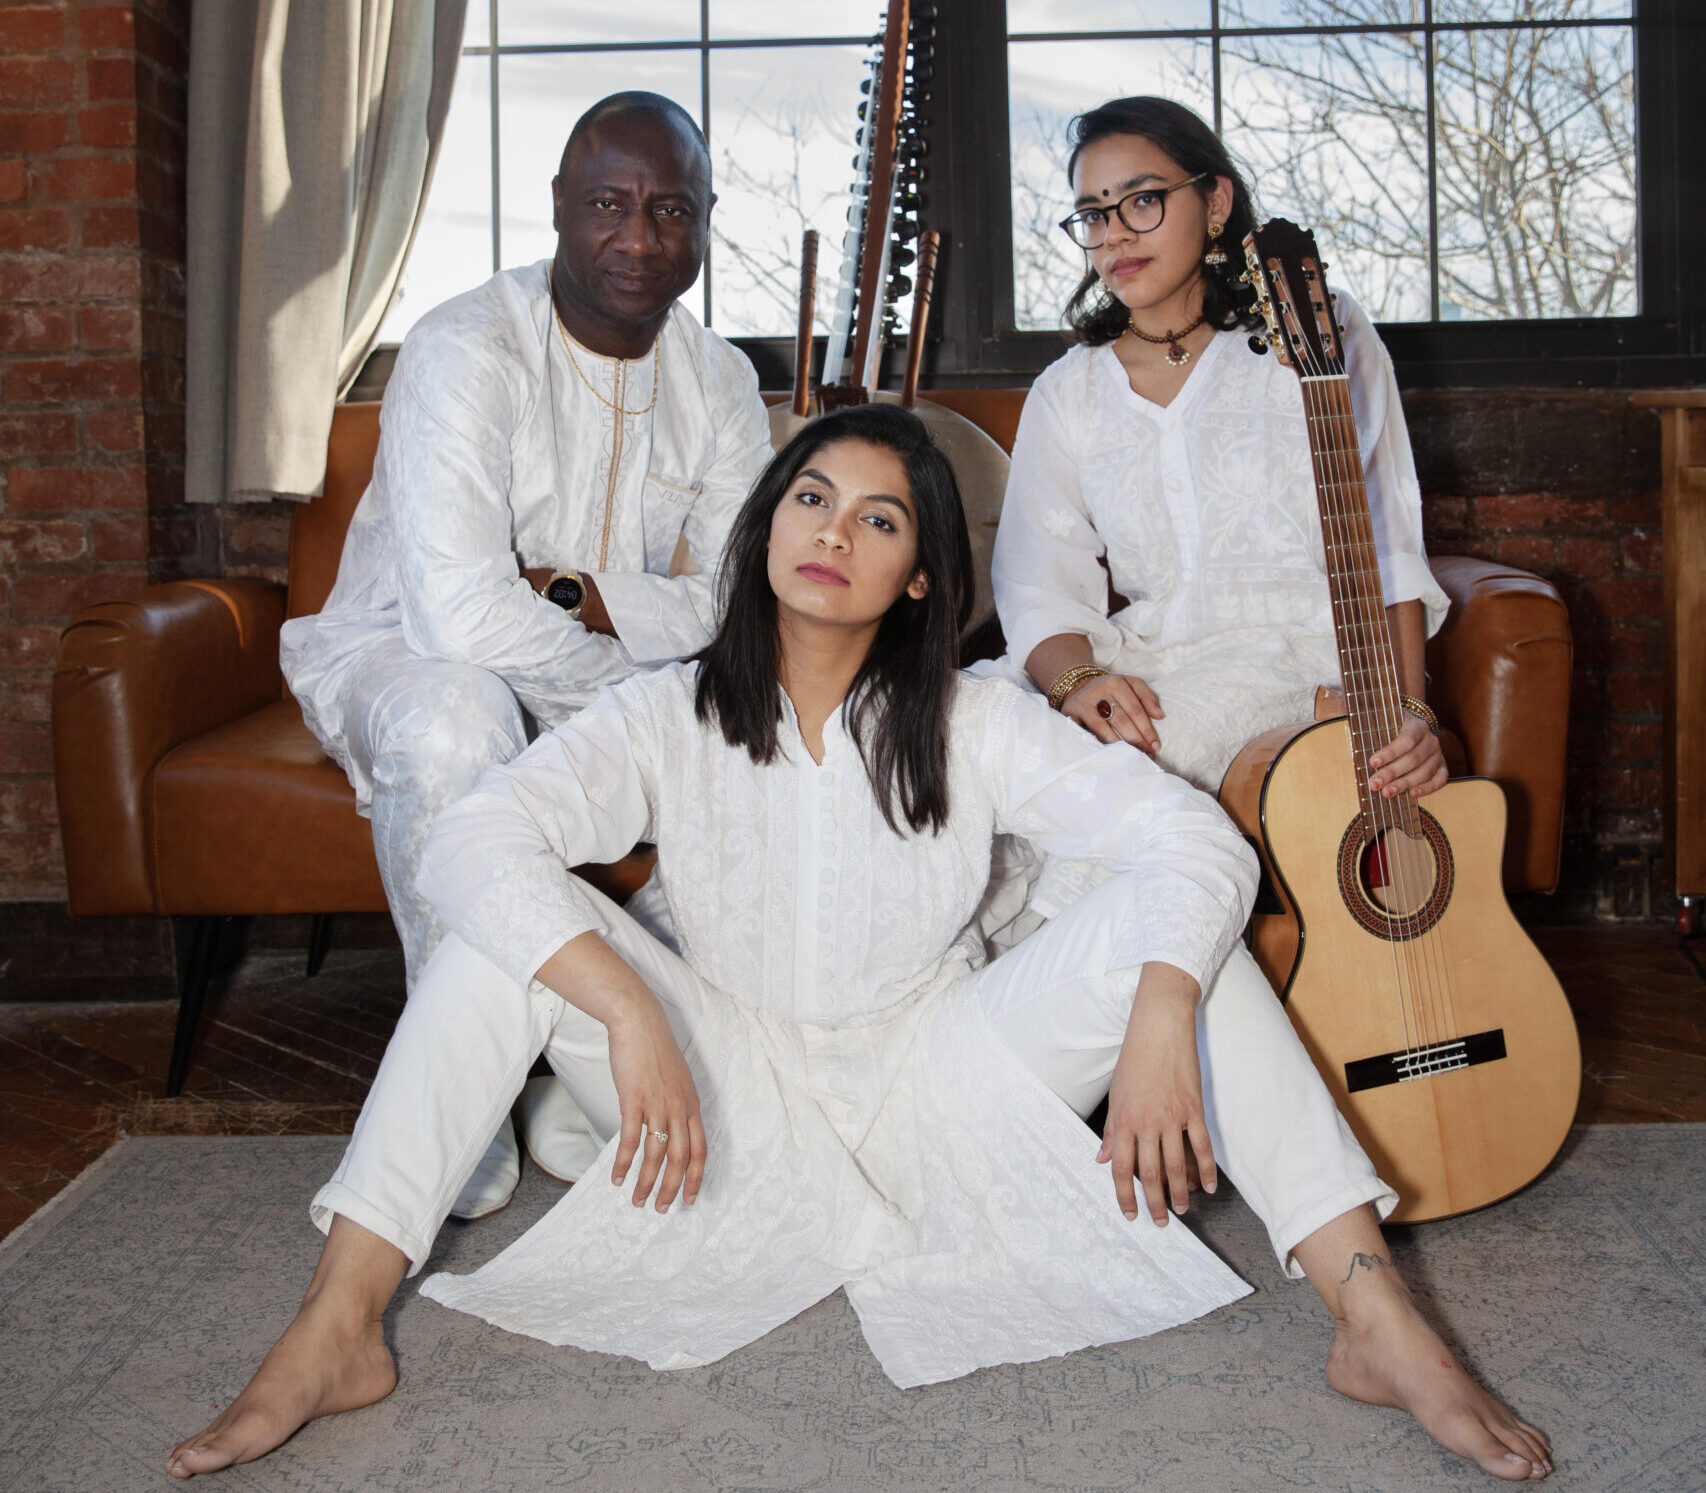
point(258, 817)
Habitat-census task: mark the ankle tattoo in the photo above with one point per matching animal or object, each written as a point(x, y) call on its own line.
point(1360, 1261)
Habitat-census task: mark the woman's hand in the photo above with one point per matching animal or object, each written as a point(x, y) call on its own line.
point(654, 1087)
point(1130, 710)
point(1155, 1110)
point(1412, 762)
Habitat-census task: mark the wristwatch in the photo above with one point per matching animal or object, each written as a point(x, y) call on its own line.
point(567, 591)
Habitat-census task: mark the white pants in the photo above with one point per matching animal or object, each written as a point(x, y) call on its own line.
point(469, 1034)
point(417, 735)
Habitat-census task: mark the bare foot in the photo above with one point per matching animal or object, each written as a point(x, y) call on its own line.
point(319, 1367)
point(1384, 1353)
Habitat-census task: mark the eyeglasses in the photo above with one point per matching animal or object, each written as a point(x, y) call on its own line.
point(1141, 211)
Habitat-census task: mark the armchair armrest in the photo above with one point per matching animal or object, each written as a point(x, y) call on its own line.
point(136, 678)
point(1499, 676)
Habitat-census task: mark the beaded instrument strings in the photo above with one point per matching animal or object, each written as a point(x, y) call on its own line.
point(882, 221)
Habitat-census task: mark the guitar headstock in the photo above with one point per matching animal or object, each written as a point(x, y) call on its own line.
point(1291, 293)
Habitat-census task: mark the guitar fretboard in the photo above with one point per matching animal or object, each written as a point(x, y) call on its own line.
point(1353, 581)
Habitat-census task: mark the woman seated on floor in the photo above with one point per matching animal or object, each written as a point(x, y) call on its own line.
point(1165, 444)
point(829, 1077)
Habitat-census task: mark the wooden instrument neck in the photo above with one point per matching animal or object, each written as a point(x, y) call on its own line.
point(1366, 661)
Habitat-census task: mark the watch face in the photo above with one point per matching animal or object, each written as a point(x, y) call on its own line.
point(566, 591)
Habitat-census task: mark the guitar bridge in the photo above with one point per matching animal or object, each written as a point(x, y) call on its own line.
point(1424, 1062)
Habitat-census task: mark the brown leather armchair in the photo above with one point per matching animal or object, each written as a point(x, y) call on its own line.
point(188, 783)
point(190, 787)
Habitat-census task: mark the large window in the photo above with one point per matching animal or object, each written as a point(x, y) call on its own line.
point(775, 89)
point(1509, 186)
point(1459, 159)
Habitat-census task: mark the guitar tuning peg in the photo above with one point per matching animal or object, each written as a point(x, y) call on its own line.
point(1259, 344)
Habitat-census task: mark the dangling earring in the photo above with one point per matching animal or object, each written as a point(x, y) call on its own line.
point(1215, 258)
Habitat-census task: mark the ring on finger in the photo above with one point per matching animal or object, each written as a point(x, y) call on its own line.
point(1105, 709)
point(661, 1137)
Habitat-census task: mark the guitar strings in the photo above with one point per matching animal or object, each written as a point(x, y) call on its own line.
point(1387, 819)
point(1350, 525)
point(1433, 973)
point(1394, 819)
point(1346, 621)
point(1351, 623)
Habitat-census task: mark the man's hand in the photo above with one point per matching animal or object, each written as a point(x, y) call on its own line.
point(1155, 1109)
point(593, 617)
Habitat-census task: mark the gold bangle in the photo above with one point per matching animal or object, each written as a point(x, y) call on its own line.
point(1070, 680)
point(1418, 708)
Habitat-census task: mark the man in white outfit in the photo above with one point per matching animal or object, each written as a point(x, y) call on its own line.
point(545, 442)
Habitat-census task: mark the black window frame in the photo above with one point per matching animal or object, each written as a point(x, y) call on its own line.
point(969, 198)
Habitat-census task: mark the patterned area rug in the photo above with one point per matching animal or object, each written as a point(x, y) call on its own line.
point(140, 1302)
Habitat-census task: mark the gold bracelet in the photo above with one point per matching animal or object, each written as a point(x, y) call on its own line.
point(1069, 681)
point(1418, 708)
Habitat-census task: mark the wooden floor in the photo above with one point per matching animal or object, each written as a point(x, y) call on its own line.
point(280, 1054)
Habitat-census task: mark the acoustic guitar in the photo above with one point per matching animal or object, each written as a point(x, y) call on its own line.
point(1437, 1025)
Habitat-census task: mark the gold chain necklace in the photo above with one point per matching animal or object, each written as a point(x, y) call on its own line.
point(1177, 354)
point(568, 347)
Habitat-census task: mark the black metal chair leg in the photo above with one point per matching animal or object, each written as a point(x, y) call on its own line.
point(197, 958)
point(319, 941)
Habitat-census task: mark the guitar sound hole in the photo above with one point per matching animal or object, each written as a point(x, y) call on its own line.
point(1397, 873)
point(1394, 886)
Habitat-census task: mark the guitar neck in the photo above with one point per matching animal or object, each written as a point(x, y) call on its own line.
point(1366, 662)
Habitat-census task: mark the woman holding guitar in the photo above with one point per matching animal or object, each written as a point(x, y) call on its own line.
point(1165, 444)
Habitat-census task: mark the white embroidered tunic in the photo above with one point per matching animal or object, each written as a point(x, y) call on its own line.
point(865, 1125)
point(503, 449)
point(1205, 510)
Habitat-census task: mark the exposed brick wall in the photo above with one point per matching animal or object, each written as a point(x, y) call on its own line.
point(1565, 483)
point(92, 128)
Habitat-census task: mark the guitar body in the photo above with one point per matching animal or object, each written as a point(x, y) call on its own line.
point(1450, 1049)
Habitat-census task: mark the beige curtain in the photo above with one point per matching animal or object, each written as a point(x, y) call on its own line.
point(314, 125)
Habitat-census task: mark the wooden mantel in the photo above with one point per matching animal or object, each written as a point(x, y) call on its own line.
point(1683, 412)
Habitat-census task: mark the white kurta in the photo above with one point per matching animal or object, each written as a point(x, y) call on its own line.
point(866, 1127)
point(1205, 510)
point(501, 449)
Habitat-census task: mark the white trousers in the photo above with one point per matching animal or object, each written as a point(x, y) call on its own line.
point(417, 735)
point(469, 1034)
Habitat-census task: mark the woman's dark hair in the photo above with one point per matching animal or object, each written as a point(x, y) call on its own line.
point(897, 709)
point(1097, 317)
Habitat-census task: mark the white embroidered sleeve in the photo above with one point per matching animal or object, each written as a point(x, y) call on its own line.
point(1046, 571)
point(1394, 494)
point(659, 618)
point(444, 446)
point(496, 863)
point(1075, 798)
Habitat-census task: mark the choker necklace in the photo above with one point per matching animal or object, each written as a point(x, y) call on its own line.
point(1177, 354)
point(568, 347)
